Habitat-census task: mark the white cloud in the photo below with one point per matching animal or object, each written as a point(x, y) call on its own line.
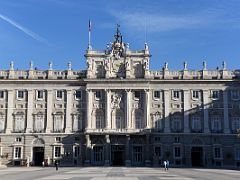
point(23, 29)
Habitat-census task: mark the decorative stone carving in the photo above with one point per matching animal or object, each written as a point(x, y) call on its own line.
point(116, 100)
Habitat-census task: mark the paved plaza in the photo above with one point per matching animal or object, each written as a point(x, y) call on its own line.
point(116, 173)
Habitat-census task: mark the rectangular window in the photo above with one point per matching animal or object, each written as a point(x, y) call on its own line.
point(78, 94)
point(195, 94)
point(18, 139)
point(17, 153)
point(57, 151)
point(1, 94)
point(217, 152)
point(177, 152)
point(98, 94)
point(20, 94)
point(137, 94)
point(157, 94)
point(58, 139)
point(99, 124)
point(196, 123)
point(215, 94)
point(176, 124)
point(59, 94)
point(40, 94)
point(176, 94)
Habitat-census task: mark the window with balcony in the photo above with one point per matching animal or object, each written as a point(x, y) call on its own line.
point(58, 122)
point(19, 122)
point(2, 122)
point(235, 94)
point(77, 122)
point(235, 123)
point(119, 122)
point(176, 123)
point(39, 122)
point(99, 122)
point(216, 123)
point(196, 123)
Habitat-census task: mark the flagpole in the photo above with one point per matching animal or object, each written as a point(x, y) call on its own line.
point(89, 34)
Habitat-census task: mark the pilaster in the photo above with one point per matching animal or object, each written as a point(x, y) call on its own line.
point(107, 151)
point(205, 110)
point(30, 111)
point(68, 112)
point(49, 127)
point(128, 159)
point(166, 111)
point(186, 110)
point(147, 108)
point(225, 112)
point(128, 109)
point(9, 112)
point(108, 109)
point(89, 109)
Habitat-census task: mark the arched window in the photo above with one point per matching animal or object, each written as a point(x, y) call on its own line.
point(19, 122)
point(58, 122)
point(39, 122)
point(2, 122)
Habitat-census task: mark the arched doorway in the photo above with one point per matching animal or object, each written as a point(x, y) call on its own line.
point(197, 153)
point(38, 152)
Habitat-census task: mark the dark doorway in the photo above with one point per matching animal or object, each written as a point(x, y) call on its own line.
point(38, 156)
point(197, 156)
point(117, 155)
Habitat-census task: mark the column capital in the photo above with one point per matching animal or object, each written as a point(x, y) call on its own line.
point(146, 90)
point(88, 90)
point(128, 90)
point(107, 90)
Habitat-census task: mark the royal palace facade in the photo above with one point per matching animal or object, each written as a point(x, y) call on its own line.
point(118, 112)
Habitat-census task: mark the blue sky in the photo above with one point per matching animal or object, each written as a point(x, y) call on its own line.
point(176, 31)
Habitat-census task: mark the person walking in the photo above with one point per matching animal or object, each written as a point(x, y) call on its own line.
point(167, 162)
point(165, 165)
point(56, 165)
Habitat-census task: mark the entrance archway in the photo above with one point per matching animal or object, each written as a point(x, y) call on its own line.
point(38, 151)
point(197, 156)
point(118, 155)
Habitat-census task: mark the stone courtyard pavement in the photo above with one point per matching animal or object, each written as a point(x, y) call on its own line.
point(116, 173)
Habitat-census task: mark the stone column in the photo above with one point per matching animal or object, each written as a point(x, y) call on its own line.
point(128, 108)
point(68, 112)
point(107, 151)
point(9, 121)
point(128, 156)
point(88, 150)
point(89, 109)
point(186, 110)
point(147, 108)
point(29, 111)
point(225, 106)
point(49, 126)
point(205, 110)
point(108, 118)
point(167, 110)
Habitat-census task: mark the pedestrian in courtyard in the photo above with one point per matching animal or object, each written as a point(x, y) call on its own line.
point(165, 165)
point(56, 165)
point(43, 163)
